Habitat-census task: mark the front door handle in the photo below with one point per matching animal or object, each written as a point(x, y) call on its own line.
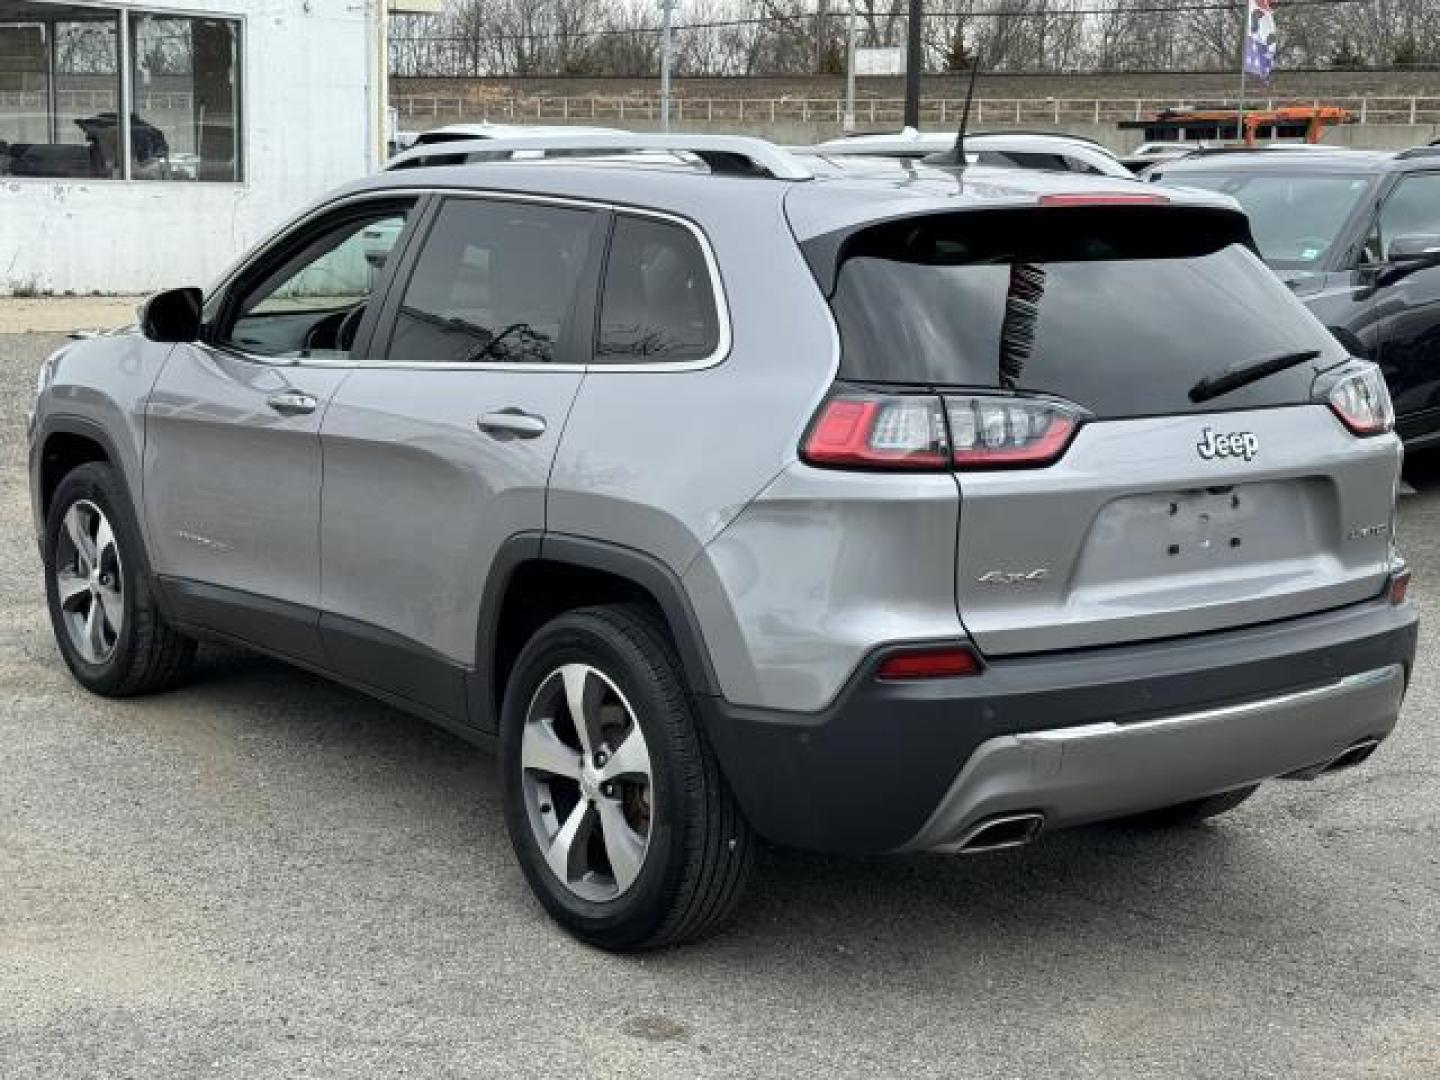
point(512, 423)
point(292, 403)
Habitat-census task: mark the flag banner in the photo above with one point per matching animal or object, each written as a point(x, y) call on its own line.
point(1260, 38)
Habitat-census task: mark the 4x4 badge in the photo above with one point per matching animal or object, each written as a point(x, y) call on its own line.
point(1014, 577)
point(1241, 444)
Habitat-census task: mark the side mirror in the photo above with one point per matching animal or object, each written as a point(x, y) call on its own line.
point(172, 315)
point(1415, 247)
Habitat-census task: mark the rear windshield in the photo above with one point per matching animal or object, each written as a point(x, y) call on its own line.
point(1120, 312)
point(1295, 218)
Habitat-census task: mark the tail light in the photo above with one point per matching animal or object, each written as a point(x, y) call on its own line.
point(1102, 198)
point(864, 429)
point(930, 662)
point(878, 431)
point(989, 431)
point(1362, 402)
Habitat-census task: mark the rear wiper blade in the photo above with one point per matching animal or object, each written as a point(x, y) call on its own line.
point(1238, 375)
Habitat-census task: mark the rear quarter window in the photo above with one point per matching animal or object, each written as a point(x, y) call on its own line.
point(658, 303)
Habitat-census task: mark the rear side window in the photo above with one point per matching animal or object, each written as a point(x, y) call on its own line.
point(496, 282)
point(1118, 311)
point(658, 303)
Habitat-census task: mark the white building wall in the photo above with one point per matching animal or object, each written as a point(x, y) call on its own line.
point(304, 119)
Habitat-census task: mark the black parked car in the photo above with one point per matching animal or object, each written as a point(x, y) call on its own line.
point(1356, 234)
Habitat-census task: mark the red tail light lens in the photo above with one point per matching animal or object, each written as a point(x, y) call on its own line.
point(991, 431)
point(1362, 402)
point(885, 431)
point(1103, 198)
point(872, 430)
point(944, 662)
point(1399, 586)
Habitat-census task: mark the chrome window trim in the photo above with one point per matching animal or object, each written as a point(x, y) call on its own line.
point(722, 307)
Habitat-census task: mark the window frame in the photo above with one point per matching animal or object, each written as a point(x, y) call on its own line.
point(125, 106)
point(586, 343)
point(722, 315)
point(222, 306)
point(400, 266)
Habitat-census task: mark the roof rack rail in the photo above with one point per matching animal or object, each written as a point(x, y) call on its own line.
point(1431, 150)
point(729, 154)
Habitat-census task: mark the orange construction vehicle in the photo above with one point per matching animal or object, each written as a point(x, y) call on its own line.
point(1307, 122)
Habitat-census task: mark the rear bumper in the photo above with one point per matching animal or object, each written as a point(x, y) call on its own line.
point(1071, 776)
point(1076, 737)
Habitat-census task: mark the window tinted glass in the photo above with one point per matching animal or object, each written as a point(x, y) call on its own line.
point(1121, 336)
point(658, 303)
point(1295, 219)
point(495, 283)
point(1413, 209)
point(311, 305)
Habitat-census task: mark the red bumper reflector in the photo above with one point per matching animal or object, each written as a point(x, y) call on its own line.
point(1399, 586)
point(946, 662)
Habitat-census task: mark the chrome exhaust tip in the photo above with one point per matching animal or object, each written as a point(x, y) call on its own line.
point(998, 833)
point(1353, 755)
point(1348, 758)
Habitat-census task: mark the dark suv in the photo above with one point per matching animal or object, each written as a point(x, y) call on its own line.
point(1356, 235)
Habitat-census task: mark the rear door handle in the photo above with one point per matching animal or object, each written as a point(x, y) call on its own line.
point(512, 423)
point(292, 403)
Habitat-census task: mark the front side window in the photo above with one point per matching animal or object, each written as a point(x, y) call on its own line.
point(61, 108)
point(310, 304)
point(1412, 210)
point(496, 282)
point(659, 303)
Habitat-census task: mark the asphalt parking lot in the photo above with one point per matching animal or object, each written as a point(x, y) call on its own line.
point(265, 875)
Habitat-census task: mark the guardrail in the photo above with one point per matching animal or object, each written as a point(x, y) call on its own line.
point(876, 111)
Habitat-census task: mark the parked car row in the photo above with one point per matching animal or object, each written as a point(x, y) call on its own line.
point(732, 493)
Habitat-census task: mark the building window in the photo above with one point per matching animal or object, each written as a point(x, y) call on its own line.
point(61, 91)
point(185, 88)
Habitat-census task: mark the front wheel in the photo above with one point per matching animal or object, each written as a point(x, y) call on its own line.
point(617, 811)
point(97, 583)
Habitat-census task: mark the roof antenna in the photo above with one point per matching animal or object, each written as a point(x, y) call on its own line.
point(956, 155)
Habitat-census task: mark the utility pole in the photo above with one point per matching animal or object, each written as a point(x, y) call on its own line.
point(667, 9)
point(849, 124)
point(913, 60)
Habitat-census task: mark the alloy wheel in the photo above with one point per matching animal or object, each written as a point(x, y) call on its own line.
point(586, 781)
point(89, 582)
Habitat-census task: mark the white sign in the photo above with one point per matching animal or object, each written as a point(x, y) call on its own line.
point(880, 61)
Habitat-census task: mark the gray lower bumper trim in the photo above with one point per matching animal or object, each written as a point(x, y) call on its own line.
point(1097, 771)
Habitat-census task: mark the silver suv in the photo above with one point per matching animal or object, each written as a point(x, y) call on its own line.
point(864, 508)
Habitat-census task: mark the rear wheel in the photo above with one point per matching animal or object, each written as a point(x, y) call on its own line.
point(622, 823)
point(97, 584)
point(1193, 812)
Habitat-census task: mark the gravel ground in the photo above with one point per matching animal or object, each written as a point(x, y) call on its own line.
point(264, 875)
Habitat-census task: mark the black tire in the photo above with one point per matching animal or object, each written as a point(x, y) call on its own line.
point(1194, 812)
point(147, 654)
point(700, 848)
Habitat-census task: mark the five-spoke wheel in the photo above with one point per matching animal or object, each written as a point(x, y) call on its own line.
point(586, 779)
point(622, 823)
point(98, 585)
point(89, 581)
